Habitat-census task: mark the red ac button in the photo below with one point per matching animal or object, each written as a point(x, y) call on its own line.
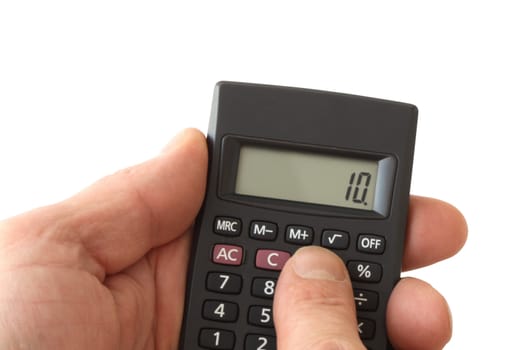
point(225, 254)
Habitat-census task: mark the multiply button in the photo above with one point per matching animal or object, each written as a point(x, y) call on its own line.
point(299, 234)
point(366, 328)
point(364, 271)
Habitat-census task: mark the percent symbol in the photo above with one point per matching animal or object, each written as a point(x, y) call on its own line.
point(364, 271)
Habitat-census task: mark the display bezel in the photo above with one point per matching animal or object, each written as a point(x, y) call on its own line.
point(229, 161)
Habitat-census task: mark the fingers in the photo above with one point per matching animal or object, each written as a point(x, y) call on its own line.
point(314, 305)
point(418, 317)
point(436, 231)
point(121, 217)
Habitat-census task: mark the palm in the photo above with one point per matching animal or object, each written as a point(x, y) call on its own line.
point(70, 309)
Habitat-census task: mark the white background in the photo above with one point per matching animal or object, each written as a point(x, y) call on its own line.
point(87, 88)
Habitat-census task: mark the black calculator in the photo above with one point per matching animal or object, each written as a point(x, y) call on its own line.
point(291, 167)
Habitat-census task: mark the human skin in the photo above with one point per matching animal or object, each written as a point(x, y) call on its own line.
point(106, 268)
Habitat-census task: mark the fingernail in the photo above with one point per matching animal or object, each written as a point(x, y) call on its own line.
point(319, 264)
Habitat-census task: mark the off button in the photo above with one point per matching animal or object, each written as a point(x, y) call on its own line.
point(372, 244)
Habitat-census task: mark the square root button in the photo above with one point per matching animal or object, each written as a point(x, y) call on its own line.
point(269, 259)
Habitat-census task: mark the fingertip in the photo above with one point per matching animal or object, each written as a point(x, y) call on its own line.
point(436, 231)
point(418, 316)
point(313, 303)
point(189, 136)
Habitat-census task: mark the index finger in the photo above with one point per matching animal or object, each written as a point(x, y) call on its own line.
point(436, 231)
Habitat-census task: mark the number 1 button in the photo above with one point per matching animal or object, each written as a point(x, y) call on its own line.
point(216, 339)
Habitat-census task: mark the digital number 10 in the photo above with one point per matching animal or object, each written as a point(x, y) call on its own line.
point(357, 191)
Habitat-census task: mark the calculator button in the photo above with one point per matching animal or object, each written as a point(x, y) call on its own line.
point(216, 310)
point(262, 230)
point(260, 342)
point(371, 244)
point(335, 239)
point(260, 316)
point(222, 282)
point(226, 254)
point(227, 226)
point(264, 287)
point(303, 235)
point(366, 328)
point(364, 271)
point(365, 300)
point(216, 339)
point(271, 259)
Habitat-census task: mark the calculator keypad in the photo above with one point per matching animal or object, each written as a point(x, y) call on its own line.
point(262, 288)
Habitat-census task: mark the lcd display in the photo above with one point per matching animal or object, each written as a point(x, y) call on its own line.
point(307, 177)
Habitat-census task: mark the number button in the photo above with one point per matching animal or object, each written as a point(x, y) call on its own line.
point(227, 283)
point(216, 339)
point(220, 311)
point(264, 287)
point(260, 316)
point(260, 342)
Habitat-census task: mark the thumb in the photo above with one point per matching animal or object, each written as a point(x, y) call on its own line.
point(314, 305)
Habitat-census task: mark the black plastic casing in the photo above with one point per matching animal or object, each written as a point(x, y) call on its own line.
point(304, 119)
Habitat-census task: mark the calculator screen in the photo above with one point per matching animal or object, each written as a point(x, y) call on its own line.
point(308, 177)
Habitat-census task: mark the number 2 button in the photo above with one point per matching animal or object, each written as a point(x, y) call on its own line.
point(260, 342)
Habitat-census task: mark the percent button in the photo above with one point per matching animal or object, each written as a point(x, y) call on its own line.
point(364, 271)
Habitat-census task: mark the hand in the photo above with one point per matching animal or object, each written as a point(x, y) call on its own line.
point(314, 305)
point(106, 268)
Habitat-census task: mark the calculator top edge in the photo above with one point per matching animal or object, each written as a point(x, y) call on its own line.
point(225, 84)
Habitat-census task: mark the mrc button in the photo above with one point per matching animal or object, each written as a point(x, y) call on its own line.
point(227, 226)
point(371, 244)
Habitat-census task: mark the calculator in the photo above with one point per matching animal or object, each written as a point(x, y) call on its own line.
point(291, 167)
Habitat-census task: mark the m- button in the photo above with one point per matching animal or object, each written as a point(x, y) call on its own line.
point(262, 230)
